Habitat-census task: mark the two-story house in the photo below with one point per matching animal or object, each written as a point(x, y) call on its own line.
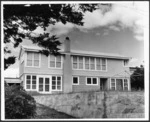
point(72, 71)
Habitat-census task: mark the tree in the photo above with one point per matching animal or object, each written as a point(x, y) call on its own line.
point(21, 20)
point(137, 78)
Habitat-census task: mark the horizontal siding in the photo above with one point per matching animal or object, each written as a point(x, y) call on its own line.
point(83, 87)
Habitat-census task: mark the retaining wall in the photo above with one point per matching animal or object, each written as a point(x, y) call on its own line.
point(97, 104)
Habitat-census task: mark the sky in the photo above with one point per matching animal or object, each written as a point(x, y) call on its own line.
point(118, 30)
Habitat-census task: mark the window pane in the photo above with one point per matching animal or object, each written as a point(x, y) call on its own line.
point(29, 62)
point(58, 64)
point(28, 77)
point(33, 82)
point(80, 65)
point(33, 77)
point(58, 59)
point(86, 63)
point(75, 80)
point(125, 88)
point(92, 66)
point(40, 87)
point(33, 86)
point(28, 81)
point(98, 67)
point(29, 56)
point(36, 62)
point(112, 88)
point(28, 87)
point(80, 59)
point(75, 65)
point(58, 78)
point(40, 80)
point(58, 82)
point(75, 59)
point(46, 80)
point(58, 87)
point(103, 67)
point(88, 80)
point(53, 78)
point(52, 58)
point(47, 88)
point(103, 61)
point(53, 87)
point(52, 64)
point(94, 80)
point(36, 56)
point(53, 82)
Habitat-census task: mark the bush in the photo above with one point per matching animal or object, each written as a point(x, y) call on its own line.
point(18, 104)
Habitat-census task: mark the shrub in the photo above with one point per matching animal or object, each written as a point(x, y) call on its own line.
point(18, 104)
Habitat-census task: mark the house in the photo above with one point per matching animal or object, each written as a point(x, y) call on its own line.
point(11, 81)
point(72, 71)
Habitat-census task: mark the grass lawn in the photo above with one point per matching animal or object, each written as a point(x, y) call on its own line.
point(44, 112)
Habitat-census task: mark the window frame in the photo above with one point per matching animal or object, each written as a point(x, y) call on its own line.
point(92, 80)
point(26, 56)
point(73, 82)
point(116, 83)
point(31, 80)
point(56, 83)
point(55, 62)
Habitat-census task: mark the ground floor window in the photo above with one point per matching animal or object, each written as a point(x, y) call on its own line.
point(91, 81)
point(56, 83)
point(31, 82)
point(119, 84)
point(75, 80)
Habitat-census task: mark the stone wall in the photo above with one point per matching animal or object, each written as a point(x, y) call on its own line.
point(97, 104)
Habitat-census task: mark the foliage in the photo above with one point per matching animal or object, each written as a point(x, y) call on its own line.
point(18, 104)
point(137, 78)
point(21, 20)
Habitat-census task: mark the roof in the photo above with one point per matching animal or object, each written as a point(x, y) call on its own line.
point(79, 52)
point(12, 80)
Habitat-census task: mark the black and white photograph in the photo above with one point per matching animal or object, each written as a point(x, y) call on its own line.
point(74, 60)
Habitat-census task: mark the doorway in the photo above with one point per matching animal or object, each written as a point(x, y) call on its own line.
point(103, 83)
point(44, 84)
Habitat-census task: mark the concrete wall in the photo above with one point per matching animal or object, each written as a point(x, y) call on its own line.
point(97, 104)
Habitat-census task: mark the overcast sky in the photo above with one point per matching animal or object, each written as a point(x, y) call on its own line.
point(119, 31)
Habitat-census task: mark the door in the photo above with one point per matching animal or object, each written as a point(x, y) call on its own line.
point(44, 84)
point(119, 84)
point(103, 83)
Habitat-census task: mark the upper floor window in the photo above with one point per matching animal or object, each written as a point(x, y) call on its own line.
point(55, 61)
point(89, 63)
point(125, 62)
point(33, 59)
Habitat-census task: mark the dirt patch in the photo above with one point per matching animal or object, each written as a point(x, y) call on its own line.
point(44, 112)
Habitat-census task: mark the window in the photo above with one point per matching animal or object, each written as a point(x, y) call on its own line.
point(113, 84)
point(103, 64)
point(125, 84)
point(56, 83)
point(119, 84)
point(30, 82)
point(87, 63)
point(55, 61)
point(125, 62)
point(80, 62)
point(33, 59)
point(75, 80)
point(98, 64)
point(75, 62)
point(92, 63)
point(91, 81)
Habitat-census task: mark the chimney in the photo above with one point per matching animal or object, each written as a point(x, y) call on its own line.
point(67, 45)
